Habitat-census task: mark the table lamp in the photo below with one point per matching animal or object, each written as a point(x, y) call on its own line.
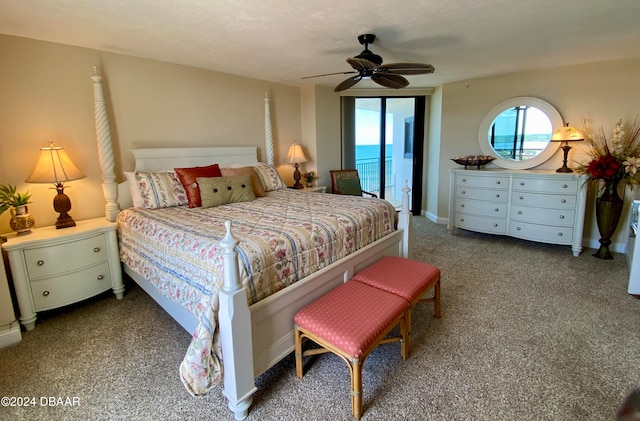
point(55, 166)
point(296, 156)
point(566, 134)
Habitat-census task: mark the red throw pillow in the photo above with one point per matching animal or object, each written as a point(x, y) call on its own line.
point(188, 179)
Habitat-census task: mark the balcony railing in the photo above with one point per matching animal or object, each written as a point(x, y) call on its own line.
point(368, 169)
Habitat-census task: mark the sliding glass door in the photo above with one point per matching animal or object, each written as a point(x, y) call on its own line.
point(385, 145)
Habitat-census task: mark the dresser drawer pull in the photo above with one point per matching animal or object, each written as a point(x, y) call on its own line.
point(96, 249)
point(563, 201)
point(463, 192)
point(522, 183)
point(45, 293)
point(495, 225)
point(498, 182)
point(462, 205)
point(559, 234)
point(497, 209)
point(519, 228)
point(100, 277)
point(521, 197)
point(464, 180)
point(461, 219)
point(40, 263)
point(519, 212)
point(564, 186)
point(561, 216)
point(498, 196)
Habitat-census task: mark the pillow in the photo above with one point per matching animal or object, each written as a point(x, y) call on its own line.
point(188, 179)
point(160, 189)
point(216, 191)
point(350, 186)
point(136, 198)
point(258, 190)
point(269, 177)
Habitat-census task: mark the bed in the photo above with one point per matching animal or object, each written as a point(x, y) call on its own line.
point(254, 322)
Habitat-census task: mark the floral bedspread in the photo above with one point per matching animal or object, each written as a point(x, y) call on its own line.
point(283, 237)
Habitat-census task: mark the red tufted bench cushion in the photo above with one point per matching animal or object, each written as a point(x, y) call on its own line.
point(350, 321)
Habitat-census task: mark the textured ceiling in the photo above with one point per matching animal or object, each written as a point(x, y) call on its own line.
point(285, 40)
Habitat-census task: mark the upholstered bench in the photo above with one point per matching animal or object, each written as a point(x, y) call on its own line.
point(406, 278)
point(350, 321)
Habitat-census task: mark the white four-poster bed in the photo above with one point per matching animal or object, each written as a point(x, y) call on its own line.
point(252, 337)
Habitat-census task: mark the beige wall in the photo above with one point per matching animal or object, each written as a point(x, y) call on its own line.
point(598, 92)
point(46, 94)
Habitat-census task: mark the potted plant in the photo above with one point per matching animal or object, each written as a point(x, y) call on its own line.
point(20, 221)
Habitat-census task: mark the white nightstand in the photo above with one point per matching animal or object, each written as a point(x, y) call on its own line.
point(55, 267)
point(314, 189)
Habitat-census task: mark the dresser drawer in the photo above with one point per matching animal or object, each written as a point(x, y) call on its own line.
point(66, 289)
point(545, 185)
point(481, 223)
point(65, 257)
point(541, 200)
point(479, 207)
point(499, 196)
point(544, 233)
point(557, 217)
point(482, 181)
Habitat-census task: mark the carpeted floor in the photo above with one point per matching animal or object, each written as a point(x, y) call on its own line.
point(528, 332)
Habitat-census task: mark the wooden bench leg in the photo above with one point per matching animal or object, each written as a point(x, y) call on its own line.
point(356, 388)
point(435, 299)
point(298, 341)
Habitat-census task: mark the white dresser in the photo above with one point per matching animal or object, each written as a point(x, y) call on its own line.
point(633, 249)
point(536, 205)
point(56, 267)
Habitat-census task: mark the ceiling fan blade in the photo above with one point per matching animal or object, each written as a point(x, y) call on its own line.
point(361, 63)
point(390, 81)
point(406, 68)
point(329, 74)
point(346, 84)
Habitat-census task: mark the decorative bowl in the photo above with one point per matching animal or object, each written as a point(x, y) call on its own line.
point(475, 160)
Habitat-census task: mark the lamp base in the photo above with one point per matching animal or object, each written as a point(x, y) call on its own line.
point(297, 176)
point(564, 168)
point(62, 205)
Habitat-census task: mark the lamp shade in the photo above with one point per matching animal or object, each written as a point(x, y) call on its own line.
point(567, 134)
point(54, 166)
point(295, 154)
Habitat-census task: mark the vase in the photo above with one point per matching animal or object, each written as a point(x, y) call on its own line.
point(608, 211)
point(309, 183)
point(21, 221)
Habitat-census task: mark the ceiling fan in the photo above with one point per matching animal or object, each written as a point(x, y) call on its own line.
point(369, 65)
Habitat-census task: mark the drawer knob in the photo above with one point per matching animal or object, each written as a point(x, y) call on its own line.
point(518, 228)
point(96, 249)
point(461, 219)
point(521, 197)
point(563, 201)
point(519, 212)
point(462, 205)
point(45, 293)
point(522, 183)
point(498, 182)
point(464, 180)
point(495, 225)
point(561, 216)
point(564, 186)
point(559, 234)
point(40, 263)
point(498, 196)
point(463, 192)
point(100, 277)
point(497, 209)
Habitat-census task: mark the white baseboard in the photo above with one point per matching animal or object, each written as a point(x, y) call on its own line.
point(11, 335)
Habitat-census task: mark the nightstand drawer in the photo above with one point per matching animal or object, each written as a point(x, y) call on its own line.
point(62, 290)
point(66, 257)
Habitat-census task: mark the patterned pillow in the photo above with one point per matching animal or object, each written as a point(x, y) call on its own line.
point(160, 189)
point(216, 191)
point(258, 190)
point(269, 177)
point(188, 179)
point(136, 198)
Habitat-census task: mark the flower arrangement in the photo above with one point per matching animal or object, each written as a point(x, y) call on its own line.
point(309, 176)
point(616, 160)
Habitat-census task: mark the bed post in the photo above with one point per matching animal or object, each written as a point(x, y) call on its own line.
point(105, 150)
point(234, 319)
point(404, 222)
point(268, 134)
